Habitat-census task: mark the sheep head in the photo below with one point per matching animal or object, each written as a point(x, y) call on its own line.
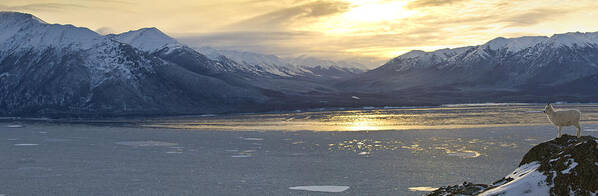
point(548, 108)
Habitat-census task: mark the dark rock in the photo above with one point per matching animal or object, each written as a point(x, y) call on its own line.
point(569, 163)
point(558, 155)
point(467, 188)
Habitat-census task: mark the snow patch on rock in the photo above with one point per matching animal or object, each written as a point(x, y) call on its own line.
point(526, 181)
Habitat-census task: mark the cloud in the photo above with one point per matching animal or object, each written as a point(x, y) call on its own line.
point(282, 43)
point(279, 19)
point(264, 42)
point(42, 7)
point(535, 16)
point(341, 29)
point(431, 3)
point(105, 30)
point(365, 49)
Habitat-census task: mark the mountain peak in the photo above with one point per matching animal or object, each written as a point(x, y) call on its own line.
point(514, 44)
point(8, 16)
point(148, 39)
point(413, 53)
point(574, 38)
point(21, 30)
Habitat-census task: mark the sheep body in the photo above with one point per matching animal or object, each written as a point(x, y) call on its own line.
point(562, 118)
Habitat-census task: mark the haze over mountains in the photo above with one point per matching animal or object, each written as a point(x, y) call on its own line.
point(52, 69)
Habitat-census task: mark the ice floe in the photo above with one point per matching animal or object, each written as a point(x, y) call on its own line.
point(241, 156)
point(329, 189)
point(252, 139)
point(26, 144)
point(57, 140)
point(146, 143)
point(422, 188)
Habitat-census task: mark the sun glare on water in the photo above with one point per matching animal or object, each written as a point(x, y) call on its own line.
point(449, 117)
point(363, 125)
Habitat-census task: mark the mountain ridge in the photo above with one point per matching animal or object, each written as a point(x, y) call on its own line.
point(521, 65)
point(63, 69)
point(55, 70)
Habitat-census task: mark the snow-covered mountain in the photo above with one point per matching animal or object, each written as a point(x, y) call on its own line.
point(302, 66)
point(155, 41)
point(53, 69)
point(285, 80)
point(506, 65)
point(50, 69)
point(146, 39)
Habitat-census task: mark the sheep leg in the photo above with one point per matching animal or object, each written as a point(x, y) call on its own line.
point(578, 130)
point(559, 135)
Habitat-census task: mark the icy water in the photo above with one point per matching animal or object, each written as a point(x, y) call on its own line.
point(400, 151)
point(377, 119)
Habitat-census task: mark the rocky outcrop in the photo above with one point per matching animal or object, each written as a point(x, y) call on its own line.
point(563, 166)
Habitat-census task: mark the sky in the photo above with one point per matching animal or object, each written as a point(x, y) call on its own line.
point(367, 31)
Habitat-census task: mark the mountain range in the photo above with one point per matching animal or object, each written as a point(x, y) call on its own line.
point(53, 70)
point(56, 70)
point(562, 67)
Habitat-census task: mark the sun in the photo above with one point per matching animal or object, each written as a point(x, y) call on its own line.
point(363, 16)
point(376, 10)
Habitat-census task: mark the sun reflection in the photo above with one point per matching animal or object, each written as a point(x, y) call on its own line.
point(372, 120)
point(363, 125)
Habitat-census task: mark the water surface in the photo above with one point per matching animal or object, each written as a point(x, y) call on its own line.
point(355, 152)
point(443, 117)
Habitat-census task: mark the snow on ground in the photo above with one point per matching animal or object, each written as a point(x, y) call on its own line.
point(572, 165)
point(526, 181)
point(146, 39)
point(329, 189)
point(422, 188)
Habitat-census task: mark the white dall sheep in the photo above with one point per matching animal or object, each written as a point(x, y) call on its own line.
point(563, 118)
